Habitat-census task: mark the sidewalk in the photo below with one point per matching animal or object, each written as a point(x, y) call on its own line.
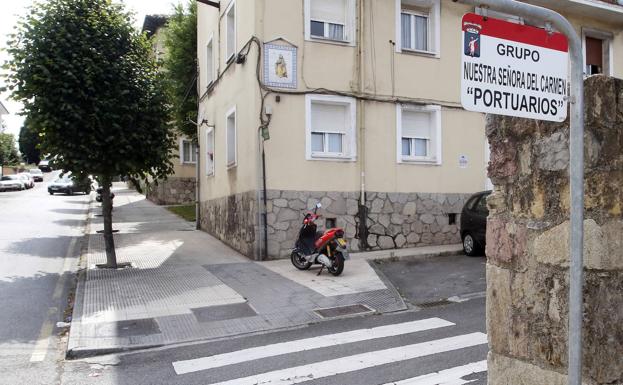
point(184, 285)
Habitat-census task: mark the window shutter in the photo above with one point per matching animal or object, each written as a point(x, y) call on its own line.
point(416, 124)
point(594, 51)
point(333, 11)
point(210, 63)
point(231, 139)
point(329, 118)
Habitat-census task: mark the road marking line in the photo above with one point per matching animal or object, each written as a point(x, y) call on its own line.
point(204, 363)
point(452, 376)
point(41, 347)
point(357, 362)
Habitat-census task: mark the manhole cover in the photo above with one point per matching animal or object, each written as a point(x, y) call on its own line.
point(340, 311)
point(435, 303)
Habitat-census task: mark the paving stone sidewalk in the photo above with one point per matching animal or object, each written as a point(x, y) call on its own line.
point(184, 285)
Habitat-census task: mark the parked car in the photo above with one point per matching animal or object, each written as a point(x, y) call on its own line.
point(45, 166)
point(37, 174)
point(474, 224)
point(11, 182)
point(29, 181)
point(69, 185)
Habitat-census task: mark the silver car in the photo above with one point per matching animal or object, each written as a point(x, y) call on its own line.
point(11, 182)
point(29, 181)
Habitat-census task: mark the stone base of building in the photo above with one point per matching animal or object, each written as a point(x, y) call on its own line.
point(172, 191)
point(508, 371)
point(387, 221)
point(233, 220)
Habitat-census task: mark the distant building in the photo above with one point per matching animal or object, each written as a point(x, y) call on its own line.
point(180, 186)
point(3, 111)
point(361, 101)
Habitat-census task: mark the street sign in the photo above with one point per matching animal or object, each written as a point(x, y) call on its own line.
point(513, 69)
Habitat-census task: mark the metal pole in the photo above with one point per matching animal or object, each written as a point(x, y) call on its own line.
point(576, 167)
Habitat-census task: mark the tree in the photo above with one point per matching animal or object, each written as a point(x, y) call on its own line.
point(8, 152)
point(92, 90)
point(180, 66)
point(29, 143)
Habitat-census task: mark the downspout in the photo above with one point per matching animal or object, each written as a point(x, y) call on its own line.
point(362, 213)
point(198, 164)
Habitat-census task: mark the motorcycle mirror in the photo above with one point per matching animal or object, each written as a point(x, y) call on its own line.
point(318, 205)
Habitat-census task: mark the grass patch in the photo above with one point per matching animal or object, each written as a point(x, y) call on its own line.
point(185, 211)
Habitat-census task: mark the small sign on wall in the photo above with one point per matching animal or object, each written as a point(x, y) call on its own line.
point(280, 66)
point(463, 161)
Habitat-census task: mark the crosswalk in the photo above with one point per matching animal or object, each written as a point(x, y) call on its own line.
point(327, 369)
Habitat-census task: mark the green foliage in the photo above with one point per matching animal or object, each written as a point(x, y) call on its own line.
point(180, 65)
point(29, 143)
point(186, 211)
point(91, 89)
point(8, 152)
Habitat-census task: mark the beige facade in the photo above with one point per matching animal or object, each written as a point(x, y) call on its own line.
point(380, 80)
point(180, 186)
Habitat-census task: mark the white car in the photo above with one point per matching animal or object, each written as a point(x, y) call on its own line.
point(37, 174)
point(11, 182)
point(29, 181)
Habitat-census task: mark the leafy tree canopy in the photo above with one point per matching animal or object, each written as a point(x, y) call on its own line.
point(180, 65)
point(29, 143)
point(8, 152)
point(91, 89)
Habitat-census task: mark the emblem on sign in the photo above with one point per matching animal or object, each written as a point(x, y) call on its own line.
point(471, 40)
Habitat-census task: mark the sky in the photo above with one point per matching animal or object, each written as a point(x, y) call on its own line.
point(12, 9)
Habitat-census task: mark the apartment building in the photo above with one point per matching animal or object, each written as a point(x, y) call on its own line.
point(354, 104)
point(179, 187)
point(3, 111)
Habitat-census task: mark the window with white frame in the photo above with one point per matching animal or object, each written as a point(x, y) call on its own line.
point(597, 47)
point(418, 26)
point(210, 151)
point(210, 62)
point(330, 20)
point(188, 151)
point(230, 31)
point(330, 126)
point(231, 137)
point(419, 134)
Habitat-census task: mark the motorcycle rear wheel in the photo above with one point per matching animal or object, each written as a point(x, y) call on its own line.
point(338, 265)
point(299, 261)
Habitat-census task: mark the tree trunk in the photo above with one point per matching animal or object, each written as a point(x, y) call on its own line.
point(111, 257)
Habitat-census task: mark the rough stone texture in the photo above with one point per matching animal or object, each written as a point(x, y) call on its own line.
point(233, 220)
point(172, 191)
point(391, 220)
point(527, 245)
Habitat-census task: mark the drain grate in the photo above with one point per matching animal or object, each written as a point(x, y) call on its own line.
point(341, 311)
point(441, 302)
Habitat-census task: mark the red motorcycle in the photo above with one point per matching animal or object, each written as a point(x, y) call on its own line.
point(327, 249)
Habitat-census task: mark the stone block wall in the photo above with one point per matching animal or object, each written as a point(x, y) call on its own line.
point(527, 245)
point(387, 221)
point(172, 191)
point(233, 220)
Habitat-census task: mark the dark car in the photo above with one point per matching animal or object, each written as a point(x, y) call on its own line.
point(69, 185)
point(474, 223)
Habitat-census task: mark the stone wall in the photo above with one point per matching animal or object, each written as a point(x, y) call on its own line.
point(527, 245)
point(233, 220)
point(172, 191)
point(387, 221)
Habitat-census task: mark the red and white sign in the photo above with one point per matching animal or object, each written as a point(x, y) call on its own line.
point(513, 69)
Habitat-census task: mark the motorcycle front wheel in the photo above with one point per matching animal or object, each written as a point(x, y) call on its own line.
point(299, 261)
point(338, 265)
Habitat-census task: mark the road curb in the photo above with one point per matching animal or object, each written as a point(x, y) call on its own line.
point(415, 257)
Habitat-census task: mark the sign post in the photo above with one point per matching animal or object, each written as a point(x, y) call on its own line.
point(576, 136)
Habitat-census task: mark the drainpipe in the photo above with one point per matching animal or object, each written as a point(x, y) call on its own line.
point(361, 106)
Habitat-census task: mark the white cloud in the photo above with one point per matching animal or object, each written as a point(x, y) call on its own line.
point(11, 10)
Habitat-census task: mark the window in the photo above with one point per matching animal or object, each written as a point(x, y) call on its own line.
point(231, 137)
point(330, 126)
point(419, 134)
point(331, 20)
point(597, 52)
point(418, 26)
point(188, 151)
point(230, 28)
point(210, 62)
point(210, 151)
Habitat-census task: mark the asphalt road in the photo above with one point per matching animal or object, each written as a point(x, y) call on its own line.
point(39, 244)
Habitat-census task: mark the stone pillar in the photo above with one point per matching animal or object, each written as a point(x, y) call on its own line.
point(528, 251)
